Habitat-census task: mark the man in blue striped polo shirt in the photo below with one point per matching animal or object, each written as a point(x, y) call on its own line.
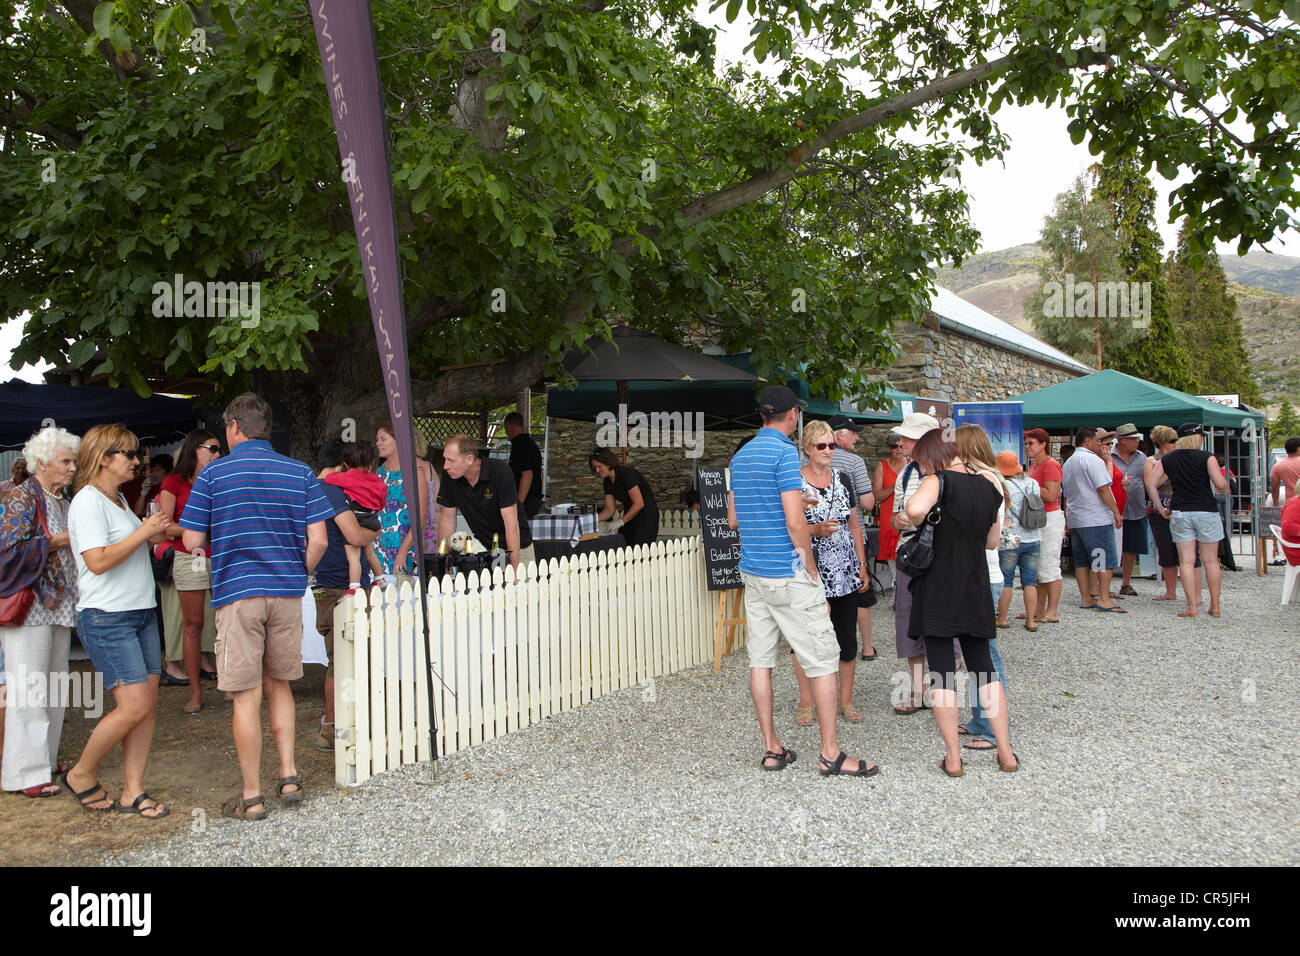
point(783, 593)
point(265, 515)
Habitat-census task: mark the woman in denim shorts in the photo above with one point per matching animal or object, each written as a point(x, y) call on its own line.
point(1019, 545)
point(115, 619)
point(1193, 513)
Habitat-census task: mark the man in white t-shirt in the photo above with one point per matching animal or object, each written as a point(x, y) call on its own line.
point(1092, 514)
point(914, 426)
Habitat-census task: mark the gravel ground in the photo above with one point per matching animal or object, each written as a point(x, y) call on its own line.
point(1146, 740)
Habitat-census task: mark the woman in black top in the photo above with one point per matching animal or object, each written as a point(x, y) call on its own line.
point(1193, 514)
point(953, 599)
point(626, 486)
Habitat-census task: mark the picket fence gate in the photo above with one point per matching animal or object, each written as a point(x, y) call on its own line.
point(508, 653)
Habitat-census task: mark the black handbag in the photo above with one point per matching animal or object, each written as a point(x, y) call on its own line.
point(916, 553)
point(162, 567)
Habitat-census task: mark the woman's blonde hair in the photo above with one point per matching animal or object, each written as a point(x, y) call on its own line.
point(95, 444)
point(815, 431)
point(1162, 435)
point(1190, 441)
point(973, 447)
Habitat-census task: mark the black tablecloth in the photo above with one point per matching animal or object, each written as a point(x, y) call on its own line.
point(545, 550)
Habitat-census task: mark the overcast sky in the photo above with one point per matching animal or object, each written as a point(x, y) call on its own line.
point(1008, 200)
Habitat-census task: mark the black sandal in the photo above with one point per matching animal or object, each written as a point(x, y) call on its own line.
point(86, 797)
point(293, 798)
point(238, 809)
point(830, 769)
point(139, 810)
point(786, 757)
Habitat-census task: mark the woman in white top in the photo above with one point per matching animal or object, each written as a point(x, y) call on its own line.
point(115, 618)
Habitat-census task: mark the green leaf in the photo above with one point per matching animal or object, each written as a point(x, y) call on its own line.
point(103, 19)
point(266, 77)
point(225, 19)
point(505, 6)
point(80, 352)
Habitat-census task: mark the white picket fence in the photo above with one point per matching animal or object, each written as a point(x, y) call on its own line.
point(507, 653)
point(679, 523)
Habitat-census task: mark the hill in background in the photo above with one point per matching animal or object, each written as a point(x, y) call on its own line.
point(1267, 288)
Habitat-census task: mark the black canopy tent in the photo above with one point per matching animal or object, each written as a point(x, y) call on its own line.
point(25, 408)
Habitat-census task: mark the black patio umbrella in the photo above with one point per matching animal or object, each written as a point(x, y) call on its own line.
point(637, 355)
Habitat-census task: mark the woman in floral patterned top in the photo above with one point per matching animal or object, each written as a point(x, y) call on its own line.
point(35, 552)
point(394, 545)
point(840, 552)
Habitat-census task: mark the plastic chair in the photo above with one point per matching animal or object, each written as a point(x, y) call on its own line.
point(1292, 570)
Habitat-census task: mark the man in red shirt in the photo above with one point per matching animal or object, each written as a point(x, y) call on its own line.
point(1045, 470)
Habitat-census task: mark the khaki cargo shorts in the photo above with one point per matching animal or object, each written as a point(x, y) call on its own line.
point(793, 608)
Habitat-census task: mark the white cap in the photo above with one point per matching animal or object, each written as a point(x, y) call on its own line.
point(916, 424)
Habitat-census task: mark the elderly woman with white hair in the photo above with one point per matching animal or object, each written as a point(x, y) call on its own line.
point(35, 557)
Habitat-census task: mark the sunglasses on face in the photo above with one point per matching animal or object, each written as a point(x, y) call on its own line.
point(129, 452)
point(823, 445)
point(214, 448)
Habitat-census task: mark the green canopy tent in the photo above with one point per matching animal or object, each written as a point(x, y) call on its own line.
point(1112, 398)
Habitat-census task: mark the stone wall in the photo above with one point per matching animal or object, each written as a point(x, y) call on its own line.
point(667, 469)
point(938, 364)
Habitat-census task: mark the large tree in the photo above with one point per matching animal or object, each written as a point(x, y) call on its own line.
point(1205, 314)
point(1156, 355)
point(1076, 306)
point(577, 161)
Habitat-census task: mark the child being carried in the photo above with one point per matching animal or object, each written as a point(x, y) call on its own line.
point(366, 494)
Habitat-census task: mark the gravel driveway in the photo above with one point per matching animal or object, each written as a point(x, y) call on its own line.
point(1145, 739)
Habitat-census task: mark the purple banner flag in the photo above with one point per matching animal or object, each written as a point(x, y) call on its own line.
point(345, 35)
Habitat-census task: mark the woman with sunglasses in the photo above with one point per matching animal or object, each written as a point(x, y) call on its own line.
point(191, 573)
point(829, 508)
point(115, 618)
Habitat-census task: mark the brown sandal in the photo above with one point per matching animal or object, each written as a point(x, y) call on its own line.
point(293, 797)
point(238, 809)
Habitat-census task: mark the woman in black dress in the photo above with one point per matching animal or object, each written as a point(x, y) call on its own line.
point(628, 488)
point(952, 599)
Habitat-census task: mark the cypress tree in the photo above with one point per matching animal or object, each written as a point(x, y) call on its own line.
point(1157, 355)
point(1204, 313)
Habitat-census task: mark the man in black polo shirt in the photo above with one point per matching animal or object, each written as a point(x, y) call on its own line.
point(485, 490)
point(525, 464)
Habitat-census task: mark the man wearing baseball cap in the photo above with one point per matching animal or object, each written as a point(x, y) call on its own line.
point(1132, 463)
point(783, 593)
point(915, 424)
point(847, 462)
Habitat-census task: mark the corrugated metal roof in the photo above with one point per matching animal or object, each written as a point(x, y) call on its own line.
point(955, 311)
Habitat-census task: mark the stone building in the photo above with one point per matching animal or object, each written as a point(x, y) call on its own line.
point(957, 353)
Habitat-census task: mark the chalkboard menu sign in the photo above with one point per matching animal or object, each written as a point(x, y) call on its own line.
point(1268, 516)
point(721, 544)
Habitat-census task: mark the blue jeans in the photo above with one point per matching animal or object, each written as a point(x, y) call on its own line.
point(977, 725)
point(123, 645)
